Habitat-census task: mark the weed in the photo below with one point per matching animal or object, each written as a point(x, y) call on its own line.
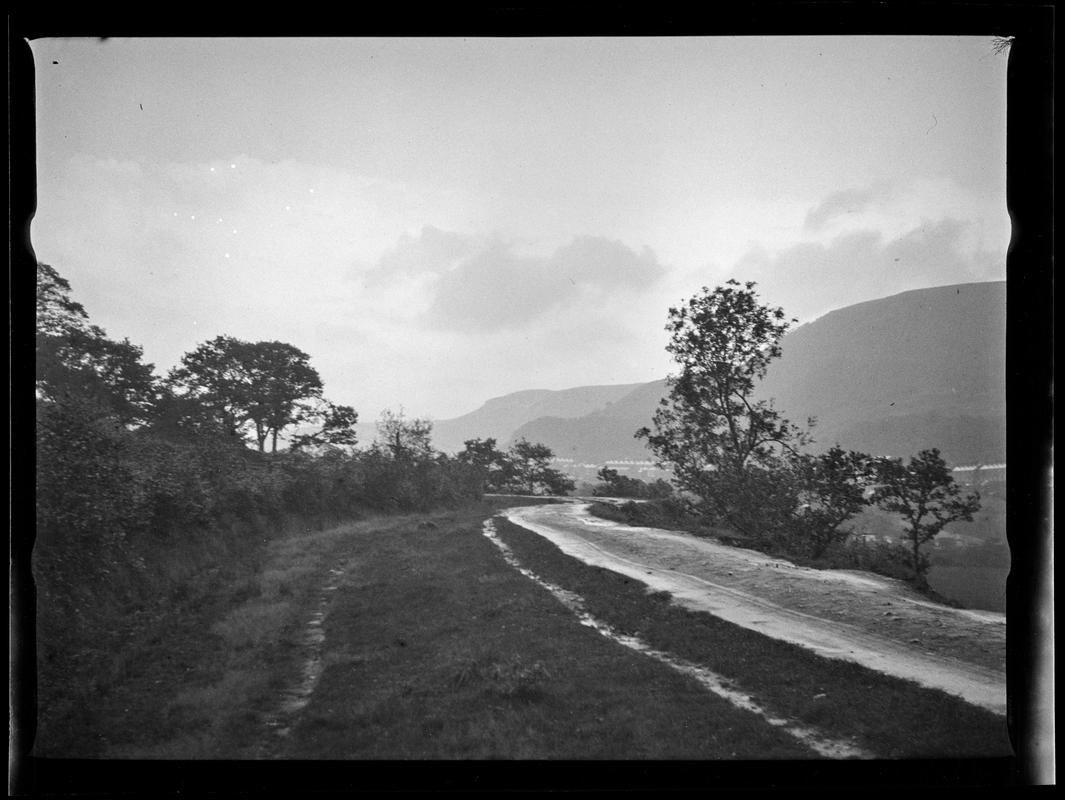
point(511, 676)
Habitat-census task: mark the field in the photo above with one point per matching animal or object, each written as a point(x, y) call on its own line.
point(410, 638)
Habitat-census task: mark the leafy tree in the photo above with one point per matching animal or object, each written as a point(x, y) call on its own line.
point(75, 359)
point(337, 428)
point(266, 386)
point(832, 489)
point(285, 384)
point(213, 375)
point(495, 469)
point(404, 439)
point(925, 495)
point(57, 312)
point(530, 472)
point(724, 446)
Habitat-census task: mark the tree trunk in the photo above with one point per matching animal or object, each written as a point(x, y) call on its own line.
point(918, 577)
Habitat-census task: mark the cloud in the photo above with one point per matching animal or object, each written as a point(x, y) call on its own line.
point(864, 265)
point(432, 251)
point(847, 201)
point(171, 253)
point(496, 288)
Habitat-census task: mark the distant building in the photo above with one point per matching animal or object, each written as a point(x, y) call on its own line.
point(976, 474)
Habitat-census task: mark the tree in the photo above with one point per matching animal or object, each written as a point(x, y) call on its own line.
point(405, 439)
point(925, 495)
point(724, 446)
point(832, 489)
point(76, 360)
point(265, 385)
point(530, 472)
point(285, 384)
point(492, 464)
point(337, 428)
point(57, 312)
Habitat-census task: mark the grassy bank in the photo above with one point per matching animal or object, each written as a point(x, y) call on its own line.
point(117, 647)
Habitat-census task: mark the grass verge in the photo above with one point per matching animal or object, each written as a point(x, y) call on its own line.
point(887, 716)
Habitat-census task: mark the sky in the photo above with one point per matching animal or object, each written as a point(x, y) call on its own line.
point(440, 221)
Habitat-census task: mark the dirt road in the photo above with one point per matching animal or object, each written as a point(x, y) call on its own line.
point(878, 622)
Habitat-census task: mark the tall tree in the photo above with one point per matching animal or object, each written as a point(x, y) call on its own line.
point(925, 495)
point(722, 444)
point(285, 385)
point(76, 360)
point(266, 386)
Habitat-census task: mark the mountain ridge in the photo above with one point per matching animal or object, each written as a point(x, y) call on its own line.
point(921, 368)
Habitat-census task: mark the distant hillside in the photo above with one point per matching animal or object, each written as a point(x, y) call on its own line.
point(924, 368)
point(604, 435)
point(919, 369)
point(500, 417)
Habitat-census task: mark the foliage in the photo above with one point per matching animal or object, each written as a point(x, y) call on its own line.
point(404, 439)
point(127, 468)
point(529, 472)
point(337, 428)
point(522, 469)
point(84, 486)
point(832, 487)
point(614, 484)
point(492, 465)
point(669, 512)
point(75, 359)
point(925, 495)
point(722, 444)
point(264, 386)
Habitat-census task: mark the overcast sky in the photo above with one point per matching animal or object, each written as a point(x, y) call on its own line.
point(441, 221)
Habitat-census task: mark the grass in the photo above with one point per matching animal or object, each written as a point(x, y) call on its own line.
point(436, 649)
point(888, 716)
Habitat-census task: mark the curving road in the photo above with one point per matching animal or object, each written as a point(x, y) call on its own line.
point(878, 622)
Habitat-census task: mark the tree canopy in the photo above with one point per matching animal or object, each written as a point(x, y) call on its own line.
point(925, 495)
point(723, 445)
point(261, 386)
point(76, 360)
point(524, 468)
point(404, 439)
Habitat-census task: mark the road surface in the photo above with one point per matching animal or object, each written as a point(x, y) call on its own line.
point(875, 621)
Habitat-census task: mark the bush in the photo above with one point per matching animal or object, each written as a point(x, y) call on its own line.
point(670, 512)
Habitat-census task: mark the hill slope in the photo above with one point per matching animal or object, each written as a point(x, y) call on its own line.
point(924, 368)
point(500, 417)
